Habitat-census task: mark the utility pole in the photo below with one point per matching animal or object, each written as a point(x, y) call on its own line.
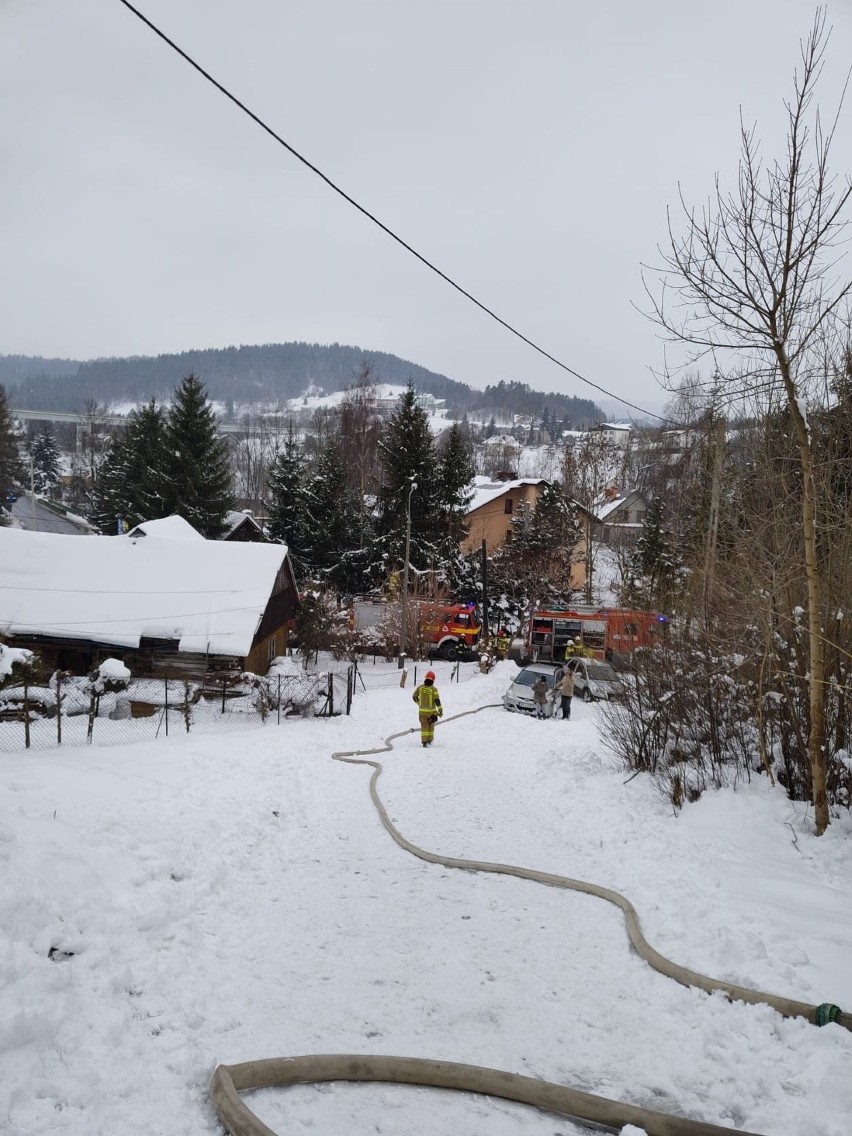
point(718, 436)
point(403, 634)
point(485, 634)
point(32, 492)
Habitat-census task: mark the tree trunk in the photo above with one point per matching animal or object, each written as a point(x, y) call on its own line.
point(813, 578)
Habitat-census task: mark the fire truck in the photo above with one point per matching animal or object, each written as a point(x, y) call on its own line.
point(446, 630)
point(554, 634)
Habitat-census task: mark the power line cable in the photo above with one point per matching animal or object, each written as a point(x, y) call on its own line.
point(372, 217)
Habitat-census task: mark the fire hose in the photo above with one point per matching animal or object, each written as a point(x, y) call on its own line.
point(612, 1115)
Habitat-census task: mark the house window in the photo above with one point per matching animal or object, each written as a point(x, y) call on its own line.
point(270, 647)
point(507, 505)
point(508, 536)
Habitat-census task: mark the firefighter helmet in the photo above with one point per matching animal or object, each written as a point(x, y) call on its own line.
point(430, 674)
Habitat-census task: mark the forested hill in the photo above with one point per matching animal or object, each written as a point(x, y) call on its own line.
point(263, 374)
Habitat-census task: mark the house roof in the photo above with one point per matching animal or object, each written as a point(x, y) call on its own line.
point(234, 520)
point(502, 440)
point(210, 595)
point(168, 528)
point(485, 490)
point(603, 509)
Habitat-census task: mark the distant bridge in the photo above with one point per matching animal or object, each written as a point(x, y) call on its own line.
point(108, 419)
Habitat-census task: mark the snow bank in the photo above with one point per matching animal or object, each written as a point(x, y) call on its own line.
point(223, 899)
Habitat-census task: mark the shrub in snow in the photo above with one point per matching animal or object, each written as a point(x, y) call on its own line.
point(696, 717)
point(323, 626)
point(687, 717)
point(14, 658)
point(110, 675)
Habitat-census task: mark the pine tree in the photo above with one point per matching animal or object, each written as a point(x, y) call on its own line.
point(44, 452)
point(331, 517)
point(288, 508)
point(10, 464)
point(129, 485)
point(455, 474)
point(196, 479)
point(408, 455)
point(655, 565)
point(535, 566)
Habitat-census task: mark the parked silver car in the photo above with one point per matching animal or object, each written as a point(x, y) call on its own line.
point(595, 680)
point(519, 696)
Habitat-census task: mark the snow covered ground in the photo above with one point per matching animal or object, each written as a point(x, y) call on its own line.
point(229, 898)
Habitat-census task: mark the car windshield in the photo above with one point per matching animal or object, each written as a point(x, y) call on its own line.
point(600, 672)
point(529, 678)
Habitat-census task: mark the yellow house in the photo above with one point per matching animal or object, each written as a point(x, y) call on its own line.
point(491, 508)
point(489, 518)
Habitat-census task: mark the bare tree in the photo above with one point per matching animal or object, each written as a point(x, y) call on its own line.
point(253, 450)
point(757, 273)
point(591, 465)
point(360, 431)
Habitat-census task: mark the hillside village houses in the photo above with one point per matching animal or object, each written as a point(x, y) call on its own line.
point(616, 433)
point(161, 598)
point(619, 515)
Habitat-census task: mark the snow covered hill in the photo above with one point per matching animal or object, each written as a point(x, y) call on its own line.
point(227, 898)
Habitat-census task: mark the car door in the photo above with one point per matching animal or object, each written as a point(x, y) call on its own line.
point(578, 666)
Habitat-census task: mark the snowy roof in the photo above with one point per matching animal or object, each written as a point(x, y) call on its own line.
point(234, 520)
point(502, 440)
point(603, 509)
point(210, 595)
point(613, 426)
point(166, 528)
point(485, 490)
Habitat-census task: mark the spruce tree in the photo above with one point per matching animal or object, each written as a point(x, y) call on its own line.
point(331, 517)
point(408, 456)
point(44, 452)
point(196, 475)
point(10, 464)
point(129, 485)
point(655, 565)
point(288, 521)
point(455, 474)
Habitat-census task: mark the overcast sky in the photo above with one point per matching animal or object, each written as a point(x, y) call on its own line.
point(528, 147)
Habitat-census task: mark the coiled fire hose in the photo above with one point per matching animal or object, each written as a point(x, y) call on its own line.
point(611, 1115)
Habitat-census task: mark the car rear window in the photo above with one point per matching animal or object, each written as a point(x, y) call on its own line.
point(529, 678)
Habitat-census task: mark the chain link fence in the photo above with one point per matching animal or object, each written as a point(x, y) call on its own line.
point(68, 711)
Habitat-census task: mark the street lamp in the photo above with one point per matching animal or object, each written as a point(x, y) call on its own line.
point(403, 634)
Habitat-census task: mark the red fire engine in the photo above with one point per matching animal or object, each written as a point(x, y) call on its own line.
point(553, 634)
point(445, 629)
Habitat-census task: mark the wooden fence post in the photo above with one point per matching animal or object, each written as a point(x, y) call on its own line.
point(26, 711)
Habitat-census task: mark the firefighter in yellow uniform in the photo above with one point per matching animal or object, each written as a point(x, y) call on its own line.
point(429, 707)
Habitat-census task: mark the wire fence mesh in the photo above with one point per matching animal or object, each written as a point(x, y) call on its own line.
point(69, 710)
